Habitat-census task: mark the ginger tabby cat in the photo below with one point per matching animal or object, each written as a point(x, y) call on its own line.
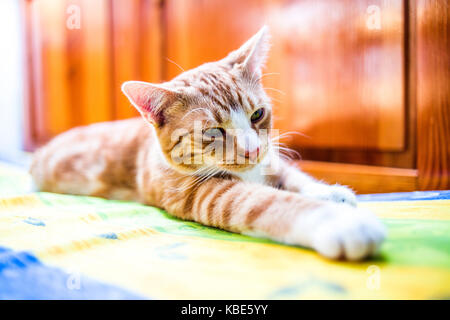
point(166, 160)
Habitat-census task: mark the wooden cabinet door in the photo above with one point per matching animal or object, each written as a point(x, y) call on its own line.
point(78, 54)
point(336, 68)
point(433, 94)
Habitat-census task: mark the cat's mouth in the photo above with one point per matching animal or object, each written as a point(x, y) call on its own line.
point(243, 163)
point(238, 167)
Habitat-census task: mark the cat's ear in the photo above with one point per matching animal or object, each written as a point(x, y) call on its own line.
point(149, 99)
point(252, 55)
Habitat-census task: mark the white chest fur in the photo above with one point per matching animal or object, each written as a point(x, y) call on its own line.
point(253, 175)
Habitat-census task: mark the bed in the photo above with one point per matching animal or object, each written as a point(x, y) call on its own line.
point(56, 246)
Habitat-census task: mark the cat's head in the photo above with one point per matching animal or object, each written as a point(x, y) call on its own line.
point(214, 118)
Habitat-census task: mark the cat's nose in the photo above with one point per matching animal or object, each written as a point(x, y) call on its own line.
point(248, 145)
point(252, 154)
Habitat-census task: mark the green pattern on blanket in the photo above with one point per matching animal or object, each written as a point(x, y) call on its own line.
point(143, 215)
point(410, 242)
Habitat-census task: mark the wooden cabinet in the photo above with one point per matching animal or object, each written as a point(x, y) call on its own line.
point(78, 53)
point(353, 77)
point(365, 82)
point(433, 94)
point(338, 78)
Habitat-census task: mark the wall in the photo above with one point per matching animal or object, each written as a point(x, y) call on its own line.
point(11, 80)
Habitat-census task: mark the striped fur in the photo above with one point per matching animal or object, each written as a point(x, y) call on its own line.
point(133, 160)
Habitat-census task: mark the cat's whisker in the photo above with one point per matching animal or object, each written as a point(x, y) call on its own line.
point(253, 79)
point(286, 151)
point(275, 99)
point(276, 90)
point(269, 74)
point(289, 134)
point(186, 186)
point(179, 67)
point(288, 157)
point(207, 174)
point(194, 173)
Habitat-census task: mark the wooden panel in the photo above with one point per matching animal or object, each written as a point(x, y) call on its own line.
point(346, 78)
point(74, 72)
point(398, 159)
point(342, 81)
point(33, 119)
point(136, 36)
point(433, 94)
point(362, 179)
point(204, 31)
point(96, 62)
point(50, 30)
point(74, 50)
point(87, 53)
point(151, 40)
point(68, 68)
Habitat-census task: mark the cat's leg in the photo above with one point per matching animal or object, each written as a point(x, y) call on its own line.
point(292, 179)
point(334, 230)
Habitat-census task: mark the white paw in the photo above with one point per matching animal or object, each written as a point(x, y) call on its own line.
point(345, 232)
point(336, 193)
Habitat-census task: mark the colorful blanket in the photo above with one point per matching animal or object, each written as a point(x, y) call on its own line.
point(56, 246)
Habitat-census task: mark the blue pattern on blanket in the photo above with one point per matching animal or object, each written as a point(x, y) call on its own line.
point(406, 196)
point(23, 276)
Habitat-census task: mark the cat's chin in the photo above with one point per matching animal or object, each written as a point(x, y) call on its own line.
point(220, 169)
point(238, 168)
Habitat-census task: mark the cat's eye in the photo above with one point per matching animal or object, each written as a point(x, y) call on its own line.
point(214, 133)
point(257, 115)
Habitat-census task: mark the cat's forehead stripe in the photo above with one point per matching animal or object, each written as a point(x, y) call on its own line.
point(220, 89)
point(226, 95)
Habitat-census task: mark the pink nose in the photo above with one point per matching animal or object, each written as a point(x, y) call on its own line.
point(252, 155)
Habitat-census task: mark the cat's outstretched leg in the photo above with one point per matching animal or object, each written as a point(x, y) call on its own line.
point(292, 179)
point(334, 230)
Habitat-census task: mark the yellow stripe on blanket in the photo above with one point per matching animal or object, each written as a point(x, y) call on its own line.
point(429, 209)
point(19, 203)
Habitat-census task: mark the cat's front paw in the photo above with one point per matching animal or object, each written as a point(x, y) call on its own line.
point(347, 233)
point(335, 193)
